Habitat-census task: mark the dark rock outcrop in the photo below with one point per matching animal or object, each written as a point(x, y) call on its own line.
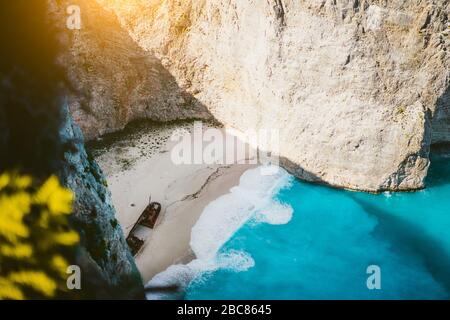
point(104, 254)
point(38, 137)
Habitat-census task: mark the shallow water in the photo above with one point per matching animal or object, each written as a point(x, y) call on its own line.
point(332, 237)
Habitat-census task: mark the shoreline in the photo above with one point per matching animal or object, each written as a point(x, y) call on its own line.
point(169, 244)
point(140, 166)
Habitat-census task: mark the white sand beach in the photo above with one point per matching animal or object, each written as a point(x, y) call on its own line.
point(141, 167)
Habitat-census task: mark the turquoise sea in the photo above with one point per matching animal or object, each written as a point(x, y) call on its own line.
point(313, 242)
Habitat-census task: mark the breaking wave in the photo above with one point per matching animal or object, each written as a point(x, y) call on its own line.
point(252, 200)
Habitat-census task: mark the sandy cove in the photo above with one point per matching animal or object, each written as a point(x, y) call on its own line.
point(139, 165)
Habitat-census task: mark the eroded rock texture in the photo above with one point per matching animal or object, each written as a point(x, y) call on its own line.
point(357, 89)
point(115, 81)
point(108, 268)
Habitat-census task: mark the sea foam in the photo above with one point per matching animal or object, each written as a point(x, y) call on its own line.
point(252, 199)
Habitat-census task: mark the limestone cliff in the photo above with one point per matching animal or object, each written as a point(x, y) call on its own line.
point(113, 79)
point(353, 86)
point(108, 267)
point(357, 89)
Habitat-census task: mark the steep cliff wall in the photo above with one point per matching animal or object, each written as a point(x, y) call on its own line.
point(441, 122)
point(114, 80)
point(354, 87)
point(38, 137)
point(108, 268)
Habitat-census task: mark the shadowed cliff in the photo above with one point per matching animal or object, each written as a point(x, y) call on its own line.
point(37, 137)
point(116, 80)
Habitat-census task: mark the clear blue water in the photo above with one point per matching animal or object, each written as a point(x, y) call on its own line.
point(333, 236)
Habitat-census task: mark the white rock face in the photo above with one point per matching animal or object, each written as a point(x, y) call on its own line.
point(375, 18)
point(353, 87)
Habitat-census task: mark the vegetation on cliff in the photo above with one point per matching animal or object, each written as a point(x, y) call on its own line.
point(36, 240)
point(38, 139)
